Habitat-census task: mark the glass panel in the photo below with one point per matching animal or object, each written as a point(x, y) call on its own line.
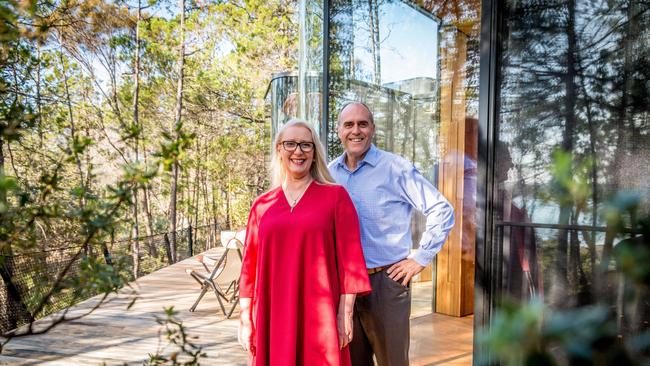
point(298, 94)
point(282, 96)
point(573, 129)
point(415, 66)
point(385, 53)
point(310, 62)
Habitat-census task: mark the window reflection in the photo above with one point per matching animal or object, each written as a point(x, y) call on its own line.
point(385, 54)
point(574, 78)
point(415, 67)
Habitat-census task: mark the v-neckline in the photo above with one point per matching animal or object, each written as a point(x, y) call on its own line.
point(286, 199)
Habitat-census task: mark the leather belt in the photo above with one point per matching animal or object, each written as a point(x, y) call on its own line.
point(372, 271)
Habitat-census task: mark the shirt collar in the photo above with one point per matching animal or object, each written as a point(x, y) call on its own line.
point(372, 157)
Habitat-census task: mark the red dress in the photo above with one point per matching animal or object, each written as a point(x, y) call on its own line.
point(295, 267)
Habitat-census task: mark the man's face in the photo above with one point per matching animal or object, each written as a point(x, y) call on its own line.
point(355, 130)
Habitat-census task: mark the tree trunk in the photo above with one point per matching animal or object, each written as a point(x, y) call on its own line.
point(136, 123)
point(39, 105)
point(209, 211)
point(187, 193)
point(195, 193)
point(146, 207)
point(622, 138)
point(177, 125)
point(228, 216)
point(73, 128)
point(564, 279)
point(590, 238)
point(374, 33)
point(172, 213)
point(215, 213)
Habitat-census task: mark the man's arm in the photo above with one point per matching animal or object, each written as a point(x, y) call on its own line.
point(422, 195)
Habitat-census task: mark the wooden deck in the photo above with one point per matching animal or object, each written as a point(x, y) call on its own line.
point(113, 335)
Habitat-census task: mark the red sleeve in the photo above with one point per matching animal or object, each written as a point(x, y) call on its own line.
point(249, 261)
point(353, 275)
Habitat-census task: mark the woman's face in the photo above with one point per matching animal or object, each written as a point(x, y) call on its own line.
point(296, 163)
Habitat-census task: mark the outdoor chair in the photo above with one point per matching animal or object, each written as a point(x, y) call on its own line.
point(223, 278)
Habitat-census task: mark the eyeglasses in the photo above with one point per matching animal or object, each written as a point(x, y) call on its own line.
point(293, 145)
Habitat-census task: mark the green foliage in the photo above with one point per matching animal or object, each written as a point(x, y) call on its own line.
point(14, 119)
point(622, 211)
point(571, 183)
point(175, 146)
point(184, 350)
point(534, 334)
point(79, 162)
point(632, 254)
point(8, 187)
point(514, 325)
point(11, 26)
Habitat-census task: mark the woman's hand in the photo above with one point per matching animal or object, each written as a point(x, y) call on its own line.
point(344, 327)
point(344, 323)
point(245, 334)
point(245, 330)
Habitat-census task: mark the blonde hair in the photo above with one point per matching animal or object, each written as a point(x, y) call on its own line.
point(318, 169)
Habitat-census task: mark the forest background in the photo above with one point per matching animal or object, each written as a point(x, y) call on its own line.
point(120, 120)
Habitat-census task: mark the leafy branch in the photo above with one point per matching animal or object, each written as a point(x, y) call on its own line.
point(177, 337)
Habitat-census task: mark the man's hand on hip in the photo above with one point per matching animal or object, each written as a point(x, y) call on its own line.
point(404, 270)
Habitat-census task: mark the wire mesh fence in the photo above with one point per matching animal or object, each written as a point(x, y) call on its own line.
point(63, 276)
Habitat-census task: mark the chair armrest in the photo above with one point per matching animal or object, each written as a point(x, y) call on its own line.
point(198, 277)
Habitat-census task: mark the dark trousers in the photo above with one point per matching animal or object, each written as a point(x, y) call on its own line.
point(381, 324)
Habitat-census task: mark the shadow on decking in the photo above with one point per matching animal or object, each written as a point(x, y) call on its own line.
point(115, 336)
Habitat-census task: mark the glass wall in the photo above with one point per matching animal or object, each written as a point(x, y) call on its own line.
point(298, 93)
point(572, 147)
point(284, 98)
point(563, 142)
point(415, 66)
point(385, 53)
point(310, 64)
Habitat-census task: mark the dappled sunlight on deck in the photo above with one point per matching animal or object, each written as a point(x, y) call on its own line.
point(114, 335)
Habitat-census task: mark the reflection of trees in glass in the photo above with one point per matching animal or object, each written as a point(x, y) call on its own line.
point(340, 45)
point(310, 63)
point(405, 110)
point(575, 77)
point(313, 36)
point(373, 17)
point(465, 15)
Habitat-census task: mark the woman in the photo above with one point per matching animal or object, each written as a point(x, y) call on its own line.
point(303, 264)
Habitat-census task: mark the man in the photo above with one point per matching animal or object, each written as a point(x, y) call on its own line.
point(385, 189)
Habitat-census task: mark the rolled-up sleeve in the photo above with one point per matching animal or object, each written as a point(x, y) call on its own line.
point(439, 213)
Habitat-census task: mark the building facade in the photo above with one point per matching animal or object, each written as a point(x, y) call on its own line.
point(531, 117)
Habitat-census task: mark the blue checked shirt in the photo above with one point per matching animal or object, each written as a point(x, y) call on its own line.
point(385, 189)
